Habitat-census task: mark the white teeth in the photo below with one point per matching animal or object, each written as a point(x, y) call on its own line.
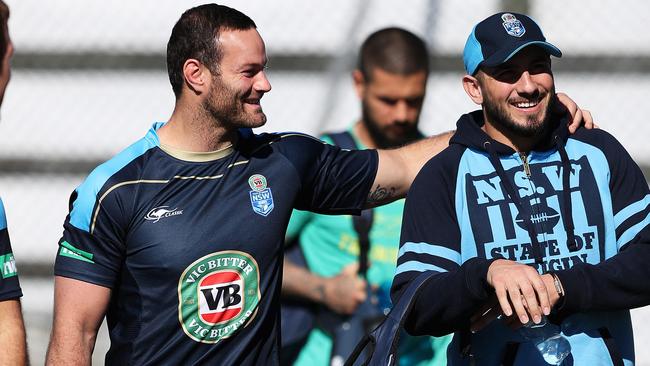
point(525, 104)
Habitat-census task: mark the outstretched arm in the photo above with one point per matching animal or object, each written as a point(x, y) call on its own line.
point(79, 309)
point(398, 167)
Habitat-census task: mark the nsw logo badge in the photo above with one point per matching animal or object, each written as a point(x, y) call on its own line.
point(512, 25)
point(260, 195)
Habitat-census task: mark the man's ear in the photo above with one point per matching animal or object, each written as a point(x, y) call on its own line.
point(197, 77)
point(359, 82)
point(473, 89)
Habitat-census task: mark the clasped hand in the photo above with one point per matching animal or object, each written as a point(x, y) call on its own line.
point(521, 294)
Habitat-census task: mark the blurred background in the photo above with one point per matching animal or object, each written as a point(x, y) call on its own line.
point(89, 78)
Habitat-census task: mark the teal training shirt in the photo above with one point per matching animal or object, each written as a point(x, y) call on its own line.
point(330, 243)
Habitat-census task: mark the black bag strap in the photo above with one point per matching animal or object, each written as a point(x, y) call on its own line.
point(344, 140)
point(383, 340)
point(362, 223)
point(510, 354)
point(614, 353)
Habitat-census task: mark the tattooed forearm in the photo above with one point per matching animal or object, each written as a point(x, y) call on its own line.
point(320, 293)
point(380, 195)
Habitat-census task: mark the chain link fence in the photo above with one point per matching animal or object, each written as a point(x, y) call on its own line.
point(89, 78)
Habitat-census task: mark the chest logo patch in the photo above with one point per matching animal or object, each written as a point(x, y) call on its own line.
point(161, 212)
point(218, 295)
point(260, 195)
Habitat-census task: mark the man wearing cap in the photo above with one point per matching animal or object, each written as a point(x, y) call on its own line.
point(521, 222)
point(178, 239)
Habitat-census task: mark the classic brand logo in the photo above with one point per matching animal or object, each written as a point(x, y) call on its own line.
point(218, 294)
point(161, 212)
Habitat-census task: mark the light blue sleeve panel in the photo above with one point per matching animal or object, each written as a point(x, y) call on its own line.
point(87, 193)
point(3, 217)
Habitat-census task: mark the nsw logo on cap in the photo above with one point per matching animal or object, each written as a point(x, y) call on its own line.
point(512, 25)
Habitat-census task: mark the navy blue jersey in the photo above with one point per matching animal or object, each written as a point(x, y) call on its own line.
point(9, 286)
point(578, 206)
point(191, 244)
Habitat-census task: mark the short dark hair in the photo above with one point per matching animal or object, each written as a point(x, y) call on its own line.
point(4, 30)
point(394, 50)
point(196, 35)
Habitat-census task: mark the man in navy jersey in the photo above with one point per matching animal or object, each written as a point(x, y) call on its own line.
point(12, 329)
point(178, 239)
point(517, 222)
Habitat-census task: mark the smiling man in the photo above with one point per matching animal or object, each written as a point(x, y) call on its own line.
point(518, 222)
point(200, 283)
point(178, 239)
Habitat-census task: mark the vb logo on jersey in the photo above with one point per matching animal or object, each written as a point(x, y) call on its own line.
point(217, 295)
point(261, 196)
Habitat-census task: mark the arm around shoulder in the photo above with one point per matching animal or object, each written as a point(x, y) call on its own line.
point(399, 167)
point(79, 308)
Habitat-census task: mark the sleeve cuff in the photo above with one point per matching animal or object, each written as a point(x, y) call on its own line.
point(573, 286)
point(476, 270)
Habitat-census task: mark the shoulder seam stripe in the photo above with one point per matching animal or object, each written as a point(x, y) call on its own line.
point(87, 192)
point(99, 202)
point(151, 181)
point(301, 135)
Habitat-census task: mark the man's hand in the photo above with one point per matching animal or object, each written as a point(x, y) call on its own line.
point(553, 295)
point(344, 292)
point(489, 312)
point(492, 310)
point(520, 286)
point(579, 117)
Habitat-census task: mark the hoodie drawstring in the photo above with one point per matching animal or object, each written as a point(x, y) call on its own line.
point(528, 224)
point(567, 216)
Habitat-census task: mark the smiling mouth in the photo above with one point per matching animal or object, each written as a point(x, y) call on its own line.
point(526, 104)
point(255, 101)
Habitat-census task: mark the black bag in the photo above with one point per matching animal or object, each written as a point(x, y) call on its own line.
point(381, 343)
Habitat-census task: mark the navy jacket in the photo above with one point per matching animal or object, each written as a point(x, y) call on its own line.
point(577, 206)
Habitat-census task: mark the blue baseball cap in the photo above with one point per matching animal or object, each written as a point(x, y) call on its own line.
point(499, 37)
